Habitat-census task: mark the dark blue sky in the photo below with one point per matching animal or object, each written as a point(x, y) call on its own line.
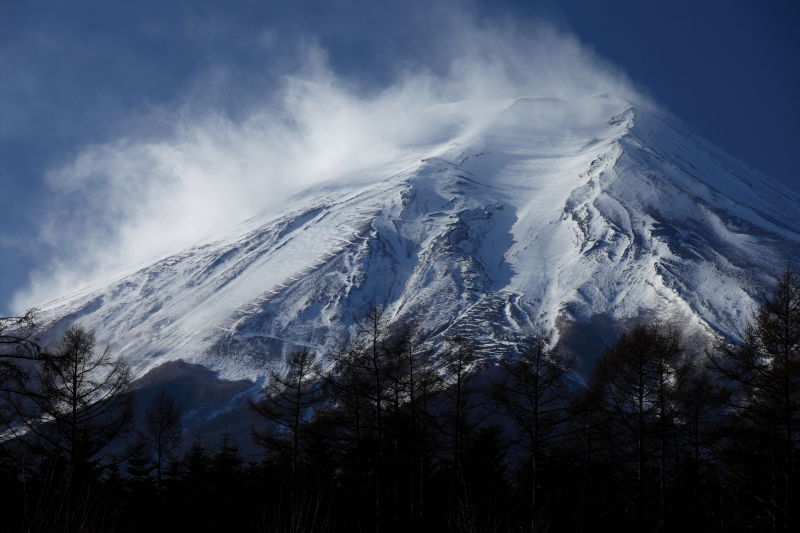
point(81, 72)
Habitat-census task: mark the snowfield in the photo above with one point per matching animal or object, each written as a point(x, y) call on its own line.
point(546, 215)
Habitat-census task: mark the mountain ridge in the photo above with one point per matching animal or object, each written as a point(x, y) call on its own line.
point(553, 213)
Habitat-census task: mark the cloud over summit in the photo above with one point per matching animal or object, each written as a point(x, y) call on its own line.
point(185, 171)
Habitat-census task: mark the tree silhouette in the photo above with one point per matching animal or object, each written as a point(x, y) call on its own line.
point(20, 352)
point(79, 397)
point(162, 431)
point(763, 375)
point(534, 394)
point(285, 401)
point(636, 379)
point(71, 409)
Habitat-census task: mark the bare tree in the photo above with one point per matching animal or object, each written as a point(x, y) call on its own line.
point(763, 373)
point(16, 337)
point(535, 396)
point(74, 404)
point(162, 431)
point(20, 352)
point(285, 400)
point(637, 377)
point(79, 401)
point(699, 409)
point(460, 359)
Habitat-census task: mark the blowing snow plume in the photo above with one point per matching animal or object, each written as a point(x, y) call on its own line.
point(129, 200)
point(510, 183)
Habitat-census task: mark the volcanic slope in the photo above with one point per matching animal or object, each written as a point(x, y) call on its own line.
point(553, 213)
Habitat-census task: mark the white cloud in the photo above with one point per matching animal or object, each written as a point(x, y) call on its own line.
point(131, 199)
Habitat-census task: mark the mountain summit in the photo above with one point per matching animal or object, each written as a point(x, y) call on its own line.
point(553, 213)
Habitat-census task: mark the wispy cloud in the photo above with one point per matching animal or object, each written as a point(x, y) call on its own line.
point(186, 172)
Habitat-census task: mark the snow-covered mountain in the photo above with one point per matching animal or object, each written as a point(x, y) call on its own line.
point(542, 216)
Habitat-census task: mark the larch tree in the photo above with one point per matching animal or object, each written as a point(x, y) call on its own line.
point(162, 431)
point(80, 398)
point(636, 379)
point(763, 373)
point(534, 394)
point(284, 402)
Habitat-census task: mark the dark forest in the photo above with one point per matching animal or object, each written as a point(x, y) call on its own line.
point(391, 433)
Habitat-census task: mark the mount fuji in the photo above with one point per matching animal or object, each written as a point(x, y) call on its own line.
point(544, 215)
